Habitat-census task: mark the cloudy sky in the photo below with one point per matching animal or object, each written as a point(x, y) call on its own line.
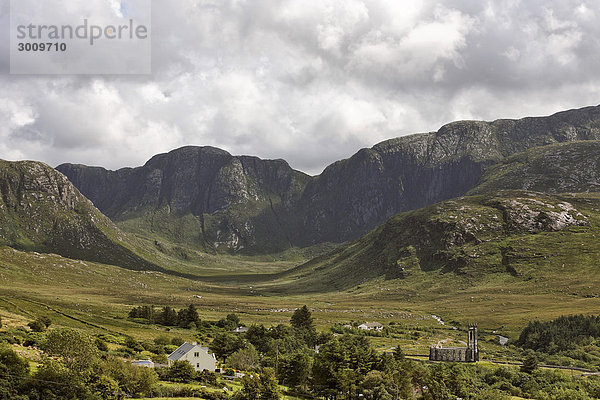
point(308, 81)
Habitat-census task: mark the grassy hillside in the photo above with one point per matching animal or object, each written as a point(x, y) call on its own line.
point(515, 233)
point(40, 210)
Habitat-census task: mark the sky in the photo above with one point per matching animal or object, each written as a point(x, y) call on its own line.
point(309, 81)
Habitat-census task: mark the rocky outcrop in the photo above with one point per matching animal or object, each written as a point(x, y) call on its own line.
point(41, 210)
point(508, 232)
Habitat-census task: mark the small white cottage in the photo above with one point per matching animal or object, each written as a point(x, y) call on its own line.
point(196, 355)
point(371, 326)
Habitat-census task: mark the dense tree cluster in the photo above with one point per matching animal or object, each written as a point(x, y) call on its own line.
point(75, 370)
point(568, 340)
point(561, 334)
point(167, 316)
point(293, 356)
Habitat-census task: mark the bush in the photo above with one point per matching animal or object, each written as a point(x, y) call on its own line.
point(181, 371)
point(162, 341)
point(101, 345)
point(37, 326)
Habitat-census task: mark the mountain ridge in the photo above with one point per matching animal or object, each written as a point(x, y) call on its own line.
point(41, 210)
point(243, 203)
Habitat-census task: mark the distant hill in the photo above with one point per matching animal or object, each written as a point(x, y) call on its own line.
point(209, 198)
point(40, 210)
point(515, 233)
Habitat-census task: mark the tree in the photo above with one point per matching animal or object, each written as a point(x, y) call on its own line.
point(188, 316)
point(143, 312)
point(231, 322)
point(259, 336)
point(398, 353)
point(106, 387)
point(341, 360)
point(167, 317)
point(133, 344)
point(54, 381)
point(77, 349)
point(304, 325)
point(181, 371)
point(530, 363)
point(133, 381)
point(250, 388)
point(269, 389)
point(225, 344)
point(162, 341)
point(302, 319)
point(13, 371)
point(491, 394)
point(295, 370)
point(245, 359)
point(263, 386)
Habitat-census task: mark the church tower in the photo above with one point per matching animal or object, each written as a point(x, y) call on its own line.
point(472, 347)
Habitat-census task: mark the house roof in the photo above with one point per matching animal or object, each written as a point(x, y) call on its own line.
point(184, 349)
point(372, 325)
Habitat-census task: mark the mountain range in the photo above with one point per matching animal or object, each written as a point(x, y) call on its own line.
point(208, 199)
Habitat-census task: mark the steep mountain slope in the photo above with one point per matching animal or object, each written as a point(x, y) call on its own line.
point(199, 195)
point(40, 210)
point(516, 233)
point(355, 195)
point(207, 197)
point(566, 167)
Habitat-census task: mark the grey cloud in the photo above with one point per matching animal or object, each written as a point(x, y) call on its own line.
point(309, 81)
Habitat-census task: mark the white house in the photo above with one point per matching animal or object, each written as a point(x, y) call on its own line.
point(371, 326)
point(196, 355)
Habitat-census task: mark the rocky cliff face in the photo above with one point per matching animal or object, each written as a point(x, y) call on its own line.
point(205, 195)
point(355, 195)
point(200, 195)
point(41, 210)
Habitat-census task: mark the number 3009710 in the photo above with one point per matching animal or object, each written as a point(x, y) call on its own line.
point(42, 47)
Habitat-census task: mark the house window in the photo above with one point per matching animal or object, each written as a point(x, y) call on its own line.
point(196, 354)
point(198, 365)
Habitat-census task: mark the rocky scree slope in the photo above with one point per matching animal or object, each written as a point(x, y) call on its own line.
point(41, 210)
point(208, 197)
